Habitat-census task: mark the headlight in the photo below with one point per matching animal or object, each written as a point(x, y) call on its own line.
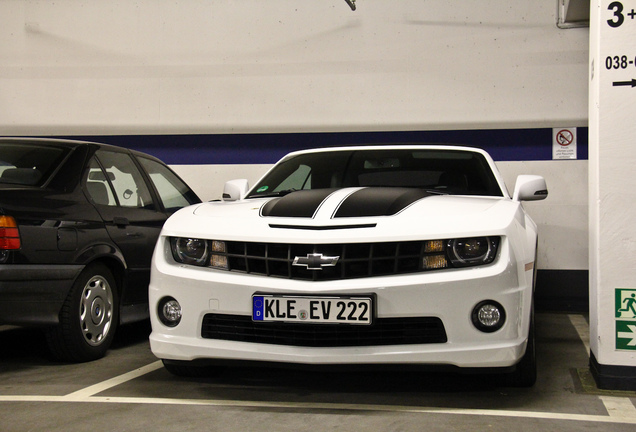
point(190, 250)
point(199, 252)
point(462, 252)
point(472, 251)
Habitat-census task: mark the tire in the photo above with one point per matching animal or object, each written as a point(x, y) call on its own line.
point(88, 318)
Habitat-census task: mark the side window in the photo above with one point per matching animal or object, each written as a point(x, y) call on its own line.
point(29, 164)
point(97, 186)
point(125, 184)
point(173, 193)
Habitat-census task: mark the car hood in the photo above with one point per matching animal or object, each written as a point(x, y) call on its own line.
point(355, 214)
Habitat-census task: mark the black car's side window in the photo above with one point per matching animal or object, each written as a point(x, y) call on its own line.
point(173, 193)
point(119, 183)
point(29, 164)
point(97, 186)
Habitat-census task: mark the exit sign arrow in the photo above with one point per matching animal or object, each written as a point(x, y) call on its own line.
point(631, 334)
point(631, 83)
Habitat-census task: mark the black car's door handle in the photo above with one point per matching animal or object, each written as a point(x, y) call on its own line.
point(121, 221)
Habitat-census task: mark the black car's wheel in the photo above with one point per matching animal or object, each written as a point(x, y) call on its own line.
point(88, 318)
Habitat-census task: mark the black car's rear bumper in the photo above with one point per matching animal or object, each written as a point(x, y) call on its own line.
point(34, 294)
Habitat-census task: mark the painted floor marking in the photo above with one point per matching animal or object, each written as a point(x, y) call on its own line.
point(582, 328)
point(327, 406)
point(113, 382)
point(619, 407)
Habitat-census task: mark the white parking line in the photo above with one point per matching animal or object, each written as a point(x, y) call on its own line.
point(619, 407)
point(326, 406)
point(81, 395)
point(582, 328)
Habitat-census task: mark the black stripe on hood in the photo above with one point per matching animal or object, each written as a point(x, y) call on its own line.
point(302, 204)
point(379, 201)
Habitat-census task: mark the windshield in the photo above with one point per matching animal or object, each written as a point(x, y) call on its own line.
point(28, 164)
point(440, 171)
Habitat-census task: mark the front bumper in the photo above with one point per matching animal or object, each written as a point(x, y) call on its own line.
point(450, 295)
point(33, 294)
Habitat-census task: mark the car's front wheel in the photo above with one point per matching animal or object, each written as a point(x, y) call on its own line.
point(88, 318)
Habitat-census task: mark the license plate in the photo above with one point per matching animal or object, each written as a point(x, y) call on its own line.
point(343, 310)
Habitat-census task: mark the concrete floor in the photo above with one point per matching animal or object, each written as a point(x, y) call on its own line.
point(130, 391)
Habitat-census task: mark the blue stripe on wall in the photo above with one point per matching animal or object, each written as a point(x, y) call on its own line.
point(502, 144)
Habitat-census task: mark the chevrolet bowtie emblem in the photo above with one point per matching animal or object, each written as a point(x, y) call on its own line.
point(315, 261)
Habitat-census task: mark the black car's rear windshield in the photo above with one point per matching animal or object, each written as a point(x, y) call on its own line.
point(444, 171)
point(29, 164)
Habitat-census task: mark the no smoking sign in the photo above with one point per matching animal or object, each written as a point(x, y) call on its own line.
point(564, 143)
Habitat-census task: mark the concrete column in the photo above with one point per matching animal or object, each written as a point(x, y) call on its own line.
point(612, 193)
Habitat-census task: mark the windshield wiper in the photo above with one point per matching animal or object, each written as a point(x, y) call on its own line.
point(274, 194)
point(437, 192)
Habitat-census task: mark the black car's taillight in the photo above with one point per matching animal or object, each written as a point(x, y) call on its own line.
point(9, 233)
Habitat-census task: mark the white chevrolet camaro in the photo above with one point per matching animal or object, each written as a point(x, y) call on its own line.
point(372, 255)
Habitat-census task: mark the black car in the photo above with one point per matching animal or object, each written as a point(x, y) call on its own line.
point(78, 226)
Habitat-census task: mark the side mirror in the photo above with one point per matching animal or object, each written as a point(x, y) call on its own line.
point(235, 190)
point(530, 188)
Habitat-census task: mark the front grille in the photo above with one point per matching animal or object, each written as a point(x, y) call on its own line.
point(384, 331)
point(356, 260)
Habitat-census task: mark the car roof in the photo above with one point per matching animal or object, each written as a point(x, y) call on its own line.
point(406, 146)
point(48, 141)
point(71, 144)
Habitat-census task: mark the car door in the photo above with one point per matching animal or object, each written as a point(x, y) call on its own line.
point(131, 215)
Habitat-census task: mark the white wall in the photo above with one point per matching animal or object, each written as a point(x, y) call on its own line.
point(212, 66)
point(110, 67)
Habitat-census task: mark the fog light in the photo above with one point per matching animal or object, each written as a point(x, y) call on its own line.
point(169, 312)
point(488, 316)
